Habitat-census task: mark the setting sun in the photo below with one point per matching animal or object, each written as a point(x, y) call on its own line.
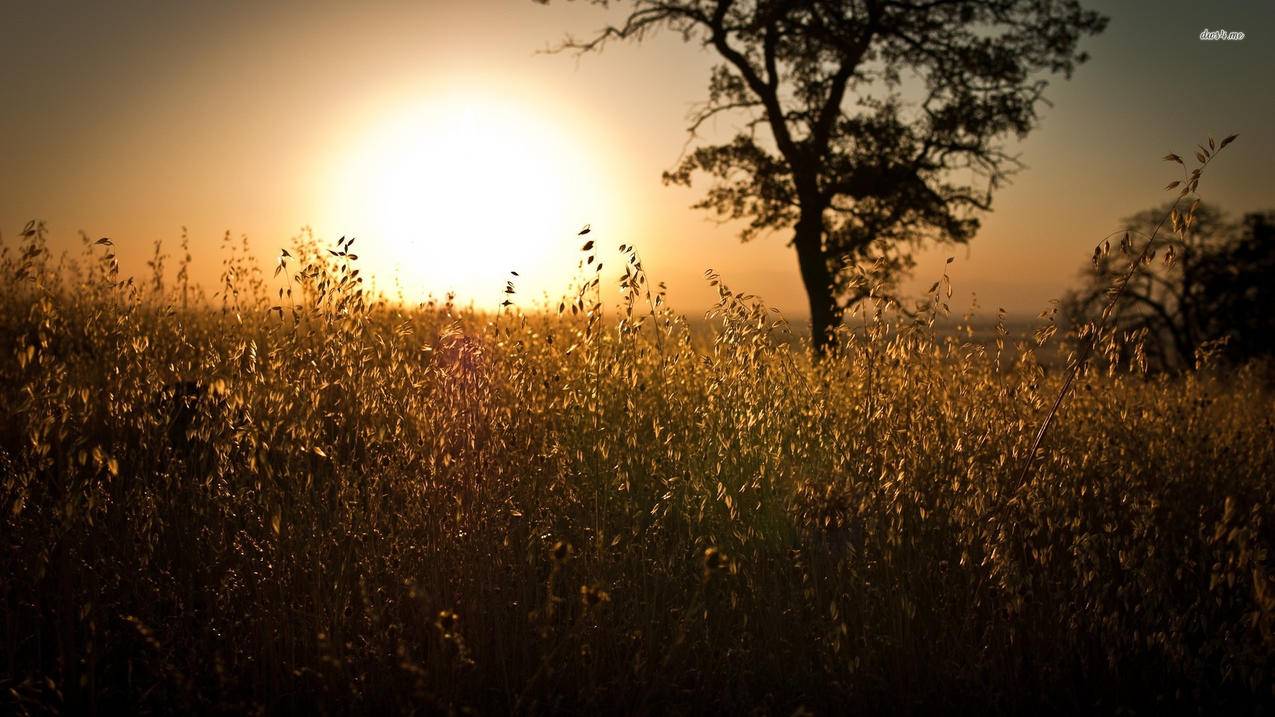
point(456, 192)
point(316, 396)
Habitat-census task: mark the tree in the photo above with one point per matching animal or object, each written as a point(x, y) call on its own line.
point(1209, 287)
point(869, 127)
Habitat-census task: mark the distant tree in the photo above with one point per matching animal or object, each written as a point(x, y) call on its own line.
point(868, 127)
point(1207, 287)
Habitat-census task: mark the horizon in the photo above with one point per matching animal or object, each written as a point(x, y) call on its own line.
point(229, 122)
point(389, 376)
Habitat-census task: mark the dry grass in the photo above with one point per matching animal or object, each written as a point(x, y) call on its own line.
point(317, 501)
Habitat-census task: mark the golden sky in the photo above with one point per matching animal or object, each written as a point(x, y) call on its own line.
point(436, 133)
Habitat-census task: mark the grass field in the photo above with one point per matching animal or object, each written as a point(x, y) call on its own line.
point(319, 502)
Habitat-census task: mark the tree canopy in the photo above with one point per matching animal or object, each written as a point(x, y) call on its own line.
point(868, 127)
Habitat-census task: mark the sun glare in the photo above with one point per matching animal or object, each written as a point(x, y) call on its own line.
point(454, 194)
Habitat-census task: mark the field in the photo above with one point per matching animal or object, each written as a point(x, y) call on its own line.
point(290, 496)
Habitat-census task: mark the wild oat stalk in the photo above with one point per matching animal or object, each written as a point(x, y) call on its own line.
point(1180, 224)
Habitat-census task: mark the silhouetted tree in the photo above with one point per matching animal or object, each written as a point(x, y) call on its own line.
point(1238, 292)
point(1207, 287)
point(869, 127)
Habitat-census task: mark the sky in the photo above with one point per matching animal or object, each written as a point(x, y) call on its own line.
point(444, 138)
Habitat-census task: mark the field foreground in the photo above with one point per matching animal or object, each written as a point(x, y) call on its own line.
point(314, 502)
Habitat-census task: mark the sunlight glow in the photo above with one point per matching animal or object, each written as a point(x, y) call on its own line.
point(455, 193)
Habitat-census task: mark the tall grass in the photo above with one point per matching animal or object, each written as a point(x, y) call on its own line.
point(296, 497)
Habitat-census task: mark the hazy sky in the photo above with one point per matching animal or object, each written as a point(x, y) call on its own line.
point(130, 120)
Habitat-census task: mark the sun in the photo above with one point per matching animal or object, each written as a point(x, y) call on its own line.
point(454, 193)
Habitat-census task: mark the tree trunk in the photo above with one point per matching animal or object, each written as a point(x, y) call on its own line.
point(824, 314)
